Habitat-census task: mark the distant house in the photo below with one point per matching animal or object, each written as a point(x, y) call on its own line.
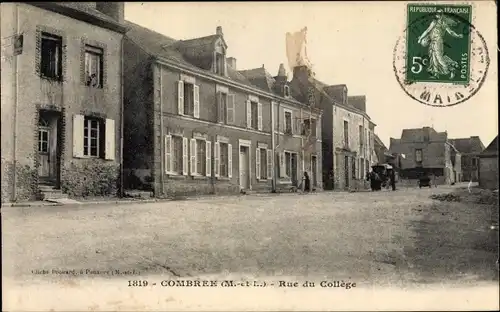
point(469, 148)
point(427, 152)
point(381, 152)
point(488, 166)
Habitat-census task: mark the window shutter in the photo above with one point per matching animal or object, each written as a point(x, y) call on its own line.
point(269, 164)
point(196, 97)
point(208, 160)
point(168, 153)
point(282, 165)
point(217, 159)
point(259, 114)
point(229, 160)
point(318, 129)
point(230, 108)
point(180, 97)
point(249, 114)
point(78, 121)
point(220, 108)
point(185, 156)
point(109, 136)
point(257, 163)
point(292, 123)
point(193, 156)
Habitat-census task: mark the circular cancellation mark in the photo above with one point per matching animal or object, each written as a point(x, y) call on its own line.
point(441, 60)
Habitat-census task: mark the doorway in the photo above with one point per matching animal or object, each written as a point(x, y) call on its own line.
point(314, 170)
point(346, 171)
point(244, 168)
point(294, 169)
point(48, 147)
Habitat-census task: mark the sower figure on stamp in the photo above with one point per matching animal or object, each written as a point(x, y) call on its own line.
point(433, 37)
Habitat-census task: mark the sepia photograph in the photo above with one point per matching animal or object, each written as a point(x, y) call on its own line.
point(249, 156)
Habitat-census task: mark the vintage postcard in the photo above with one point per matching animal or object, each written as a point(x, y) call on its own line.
point(249, 156)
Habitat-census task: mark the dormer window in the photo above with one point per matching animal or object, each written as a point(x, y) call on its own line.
point(220, 64)
point(286, 91)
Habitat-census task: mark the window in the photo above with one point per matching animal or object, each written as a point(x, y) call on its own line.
point(177, 154)
point(224, 159)
point(43, 140)
point(474, 161)
point(188, 99)
point(288, 122)
point(93, 67)
point(201, 154)
point(361, 141)
point(92, 137)
point(261, 164)
point(51, 57)
point(286, 91)
point(346, 133)
point(418, 156)
point(353, 164)
point(309, 126)
point(223, 107)
point(220, 64)
point(254, 107)
point(288, 164)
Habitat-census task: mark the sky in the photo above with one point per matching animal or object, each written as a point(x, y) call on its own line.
point(348, 43)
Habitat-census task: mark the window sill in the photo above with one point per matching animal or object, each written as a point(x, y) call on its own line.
point(200, 177)
point(96, 88)
point(285, 181)
point(52, 79)
point(88, 157)
point(223, 178)
point(263, 180)
point(175, 175)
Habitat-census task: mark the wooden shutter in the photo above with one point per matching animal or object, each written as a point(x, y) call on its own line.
point(78, 126)
point(185, 156)
point(180, 97)
point(217, 159)
point(282, 165)
point(269, 164)
point(193, 157)
point(220, 108)
point(196, 97)
point(168, 153)
point(292, 126)
point(109, 136)
point(208, 159)
point(229, 160)
point(259, 114)
point(249, 114)
point(257, 163)
point(230, 109)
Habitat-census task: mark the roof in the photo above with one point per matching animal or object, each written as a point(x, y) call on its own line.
point(91, 14)
point(379, 141)
point(468, 145)
point(159, 45)
point(259, 77)
point(418, 134)
point(491, 149)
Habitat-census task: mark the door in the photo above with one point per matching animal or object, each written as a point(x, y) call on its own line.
point(346, 171)
point(294, 169)
point(244, 171)
point(44, 152)
point(314, 170)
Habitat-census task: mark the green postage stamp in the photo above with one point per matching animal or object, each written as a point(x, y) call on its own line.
point(441, 59)
point(438, 43)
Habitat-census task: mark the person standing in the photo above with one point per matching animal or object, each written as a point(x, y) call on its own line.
point(307, 183)
point(393, 180)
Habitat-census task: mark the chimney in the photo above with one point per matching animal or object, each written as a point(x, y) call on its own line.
point(301, 73)
point(115, 10)
point(231, 61)
point(218, 31)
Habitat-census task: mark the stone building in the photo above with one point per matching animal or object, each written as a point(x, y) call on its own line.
point(469, 148)
point(195, 124)
point(346, 130)
point(426, 152)
point(61, 98)
point(488, 166)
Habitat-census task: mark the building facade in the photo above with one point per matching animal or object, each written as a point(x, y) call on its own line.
point(426, 152)
point(347, 131)
point(194, 124)
point(61, 98)
point(488, 166)
point(469, 148)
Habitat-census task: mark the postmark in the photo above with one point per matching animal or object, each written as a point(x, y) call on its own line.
point(441, 59)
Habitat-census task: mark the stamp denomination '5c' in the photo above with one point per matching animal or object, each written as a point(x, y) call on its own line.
point(441, 60)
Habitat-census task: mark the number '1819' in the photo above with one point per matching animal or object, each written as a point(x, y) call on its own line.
point(136, 283)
